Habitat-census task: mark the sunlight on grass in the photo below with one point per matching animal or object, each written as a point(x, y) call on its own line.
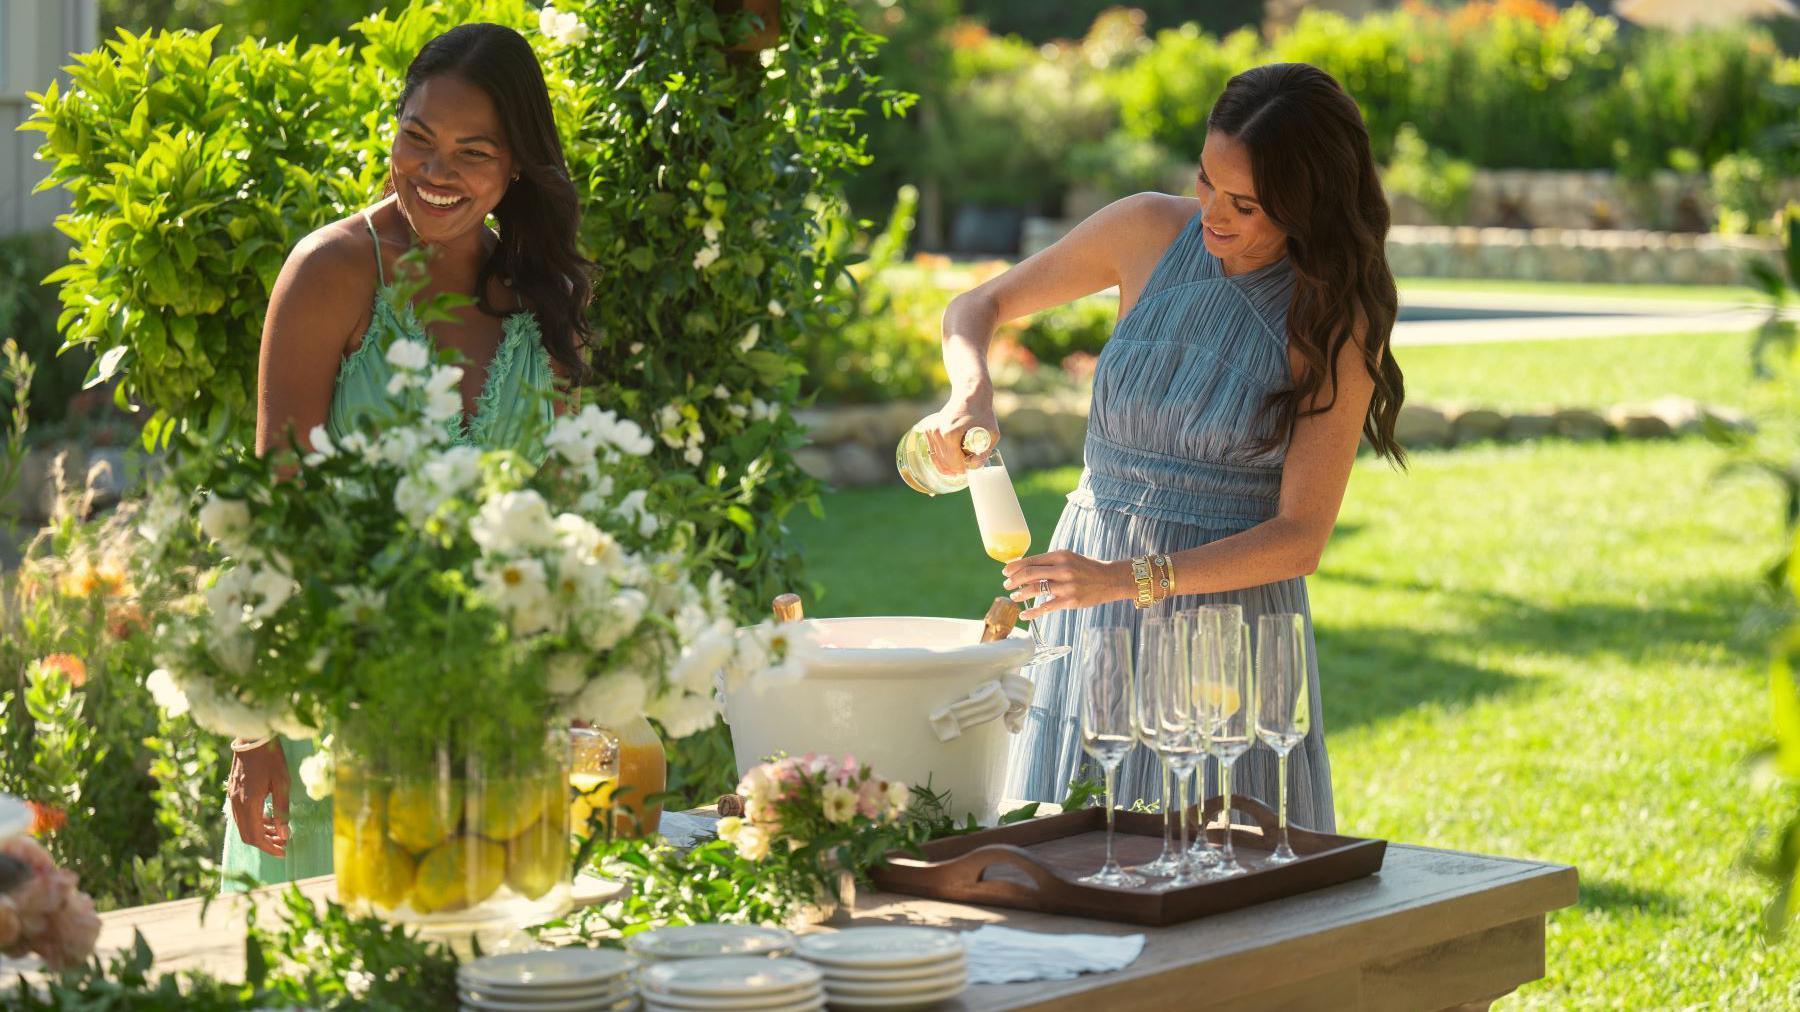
point(1589, 373)
point(1532, 651)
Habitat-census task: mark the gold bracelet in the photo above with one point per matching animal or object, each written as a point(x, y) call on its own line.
point(1159, 564)
point(1169, 565)
point(1140, 572)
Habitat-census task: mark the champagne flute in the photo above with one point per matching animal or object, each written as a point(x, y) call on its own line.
point(1283, 712)
point(1004, 533)
point(1106, 725)
point(1178, 740)
point(1226, 703)
point(1161, 654)
point(1204, 622)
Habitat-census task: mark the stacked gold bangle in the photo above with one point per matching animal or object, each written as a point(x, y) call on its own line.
point(1155, 577)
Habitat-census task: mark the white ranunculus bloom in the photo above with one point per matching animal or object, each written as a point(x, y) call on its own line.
point(694, 456)
point(407, 353)
point(720, 393)
point(565, 27)
point(226, 521)
point(512, 521)
point(400, 383)
point(400, 446)
point(613, 699)
point(316, 775)
point(760, 409)
point(453, 470)
point(566, 673)
point(707, 256)
point(168, 696)
point(629, 437)
point(738, 410)
point(750, 337)
point(271, 587)
point(695, 668)
point(415, 498)
point(683, 713)
point(228, 596)
point(775, 309)
point(321, 442)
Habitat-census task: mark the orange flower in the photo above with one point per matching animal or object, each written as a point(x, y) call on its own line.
point(46, 819)
point(111, 576)
point(68, 664)
point(124, 619)
point(81, 580)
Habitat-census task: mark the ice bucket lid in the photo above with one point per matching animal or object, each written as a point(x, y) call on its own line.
point(903, 645)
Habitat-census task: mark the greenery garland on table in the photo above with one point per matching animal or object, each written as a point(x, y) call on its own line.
point(322, 957)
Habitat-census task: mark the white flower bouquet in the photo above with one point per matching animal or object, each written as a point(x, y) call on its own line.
point(406, 591)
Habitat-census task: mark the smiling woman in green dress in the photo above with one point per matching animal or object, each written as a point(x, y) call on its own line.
point(475, 138)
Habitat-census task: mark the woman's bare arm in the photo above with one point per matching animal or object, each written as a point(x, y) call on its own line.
point(1116, 246)
point(319, 305)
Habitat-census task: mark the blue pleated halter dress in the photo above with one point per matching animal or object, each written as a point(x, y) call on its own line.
point(1170, 465)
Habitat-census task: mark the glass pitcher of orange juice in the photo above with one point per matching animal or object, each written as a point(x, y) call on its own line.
point(616, 770)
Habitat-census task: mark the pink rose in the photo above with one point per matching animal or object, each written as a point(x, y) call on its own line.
point(871, 798)
point(70, 936)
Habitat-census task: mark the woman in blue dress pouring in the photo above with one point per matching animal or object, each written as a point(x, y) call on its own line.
point(1250, 356)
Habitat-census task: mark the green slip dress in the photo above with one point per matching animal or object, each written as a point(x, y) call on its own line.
point(520, 381)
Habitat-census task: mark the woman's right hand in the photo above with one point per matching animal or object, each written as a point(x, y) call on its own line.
point(257, 776)
point(945, 430)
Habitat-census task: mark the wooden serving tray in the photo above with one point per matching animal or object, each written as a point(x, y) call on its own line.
point(1034, 866)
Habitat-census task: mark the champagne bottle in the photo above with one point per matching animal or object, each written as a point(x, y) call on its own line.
point(1002, 615)
point(913, 459)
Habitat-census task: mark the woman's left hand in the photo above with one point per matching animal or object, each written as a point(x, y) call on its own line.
point(1069, 581)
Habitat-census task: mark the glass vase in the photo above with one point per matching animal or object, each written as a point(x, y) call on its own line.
point(455, 844)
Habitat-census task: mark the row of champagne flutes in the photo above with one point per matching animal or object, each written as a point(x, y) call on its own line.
point(1194, 688)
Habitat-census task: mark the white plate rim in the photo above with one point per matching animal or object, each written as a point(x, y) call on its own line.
point(911, 971)
point(896, 989)
point(950, 946)
point(646, 943)
point(898, 1001)
point(479, 972)
point(818, 1001)
point(615, 990)
point(572, 1005)
point(655, 977)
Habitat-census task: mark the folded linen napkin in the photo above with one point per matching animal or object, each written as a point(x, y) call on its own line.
point(1009, 956)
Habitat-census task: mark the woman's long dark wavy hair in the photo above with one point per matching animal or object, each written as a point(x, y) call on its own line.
point(1314, 174)
point(539, 213)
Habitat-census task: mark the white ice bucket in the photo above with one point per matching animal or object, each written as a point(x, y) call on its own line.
point(921, 700)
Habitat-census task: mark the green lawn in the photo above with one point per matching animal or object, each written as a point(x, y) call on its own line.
point(1695, 293)
point(1595, 372)
point(1533, 651)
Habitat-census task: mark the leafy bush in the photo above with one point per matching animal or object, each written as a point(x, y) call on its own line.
point(708, 177)
point(1429, 176)
point(28, 311)
point(189, 180)
point(883, 342)
point(1080, 327)
point(1166, 95)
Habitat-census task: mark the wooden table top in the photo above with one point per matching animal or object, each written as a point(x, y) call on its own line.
point(1423, 897)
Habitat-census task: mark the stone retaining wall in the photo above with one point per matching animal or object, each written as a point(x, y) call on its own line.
point(1541, 254)
point(1565, 254)
point(853, 445)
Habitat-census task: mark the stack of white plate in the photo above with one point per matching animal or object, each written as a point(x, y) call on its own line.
point(554, 980)
point(701, 941)
point(731, 983)
point(888, 967)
